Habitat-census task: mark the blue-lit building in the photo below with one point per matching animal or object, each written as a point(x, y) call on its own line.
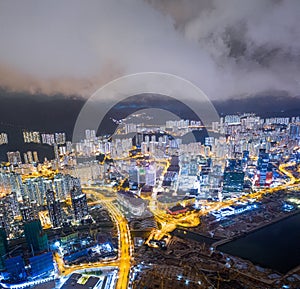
point(295, 131)
point(41, 264)
point(234, 165)
point(245, 156)
point(233, 180)
point(15, 267)
point(76, 255)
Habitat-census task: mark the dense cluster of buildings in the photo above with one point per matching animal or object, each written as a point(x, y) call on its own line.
point(35, 203)
point(26, 196)
point(44, 138)
point(33, 260)
point(239, 156)
point(243, 154)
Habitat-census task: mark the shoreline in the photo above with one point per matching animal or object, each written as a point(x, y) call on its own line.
point(281, 271)
point(259, 227)
point(213, 240)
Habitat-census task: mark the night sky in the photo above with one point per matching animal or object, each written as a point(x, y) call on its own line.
point(244, 55)
point(233, 48)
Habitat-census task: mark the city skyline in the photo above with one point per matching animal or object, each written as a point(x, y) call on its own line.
point(149, 144)
point(146, 179)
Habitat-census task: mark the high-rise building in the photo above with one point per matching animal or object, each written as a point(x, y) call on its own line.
point(31, 136)
point(209, 141)
point(193, 167)
point(130, 127)
point(54, 209)
point(295, 131)
point(27, 213)
point(3, 247)
point(263, 173)
point(90, 134)
point(56, 152)
point(36, 188)
point(3, 138)
point(48, 139)
point(62, 150)
point(47, 185)
point(139, 139)
point(141, 175)
point(36, 238)
point(60, 186)
point(35, 157)
point(30, 157)
point(79, 203)
point(60, 138)
point(133, 174)
point(16, 184)
point(232, 119)
point(151, 176)
point(69, 146)
point(233, 177)
point(25, 158)
point(14, 157)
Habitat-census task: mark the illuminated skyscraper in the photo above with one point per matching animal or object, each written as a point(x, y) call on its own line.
point(233, 177)
point(295, 131)
point(79, 203)
point(60, 138)
point(54, 209)
point(60, 186)
point(151, 176)
point(35, 157)
point(16, 183)
point(264, 173)
point(3, 138)
point(25, 158)
point(90, 134)
point(30, 157)
point(56, 152)
point(36, 238)
point(133, 173)
point(14, 157)
point(27, 213)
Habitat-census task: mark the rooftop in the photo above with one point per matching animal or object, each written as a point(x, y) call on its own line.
point(78, 281)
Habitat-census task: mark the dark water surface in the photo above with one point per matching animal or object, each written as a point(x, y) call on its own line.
point(276, 246)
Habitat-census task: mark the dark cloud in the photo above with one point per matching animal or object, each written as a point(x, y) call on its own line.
point(228, 48)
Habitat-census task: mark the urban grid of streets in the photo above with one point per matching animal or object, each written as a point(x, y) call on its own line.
point(125, 244)
point(168, 223)
point(118, 153)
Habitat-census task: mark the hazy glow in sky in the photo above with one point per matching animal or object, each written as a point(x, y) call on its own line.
point(230, 48)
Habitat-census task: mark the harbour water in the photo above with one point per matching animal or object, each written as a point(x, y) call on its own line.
point(276, 246)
